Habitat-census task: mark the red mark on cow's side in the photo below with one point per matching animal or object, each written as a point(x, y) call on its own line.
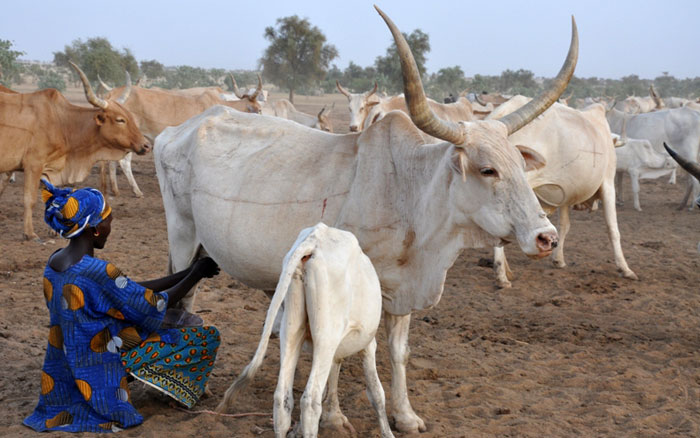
point(325, 202)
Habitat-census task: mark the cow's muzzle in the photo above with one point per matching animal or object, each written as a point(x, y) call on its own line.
point(143, 148)
point(546, 242)
point(354, 128)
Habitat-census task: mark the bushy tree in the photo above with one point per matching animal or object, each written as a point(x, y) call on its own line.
point(51, 79)
point(97, 56)
point(9, 69)
point(152, 69)
point(388, 67)
point(446, 81)
point(297, 56)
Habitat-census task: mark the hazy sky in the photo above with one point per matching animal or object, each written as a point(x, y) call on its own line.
point(617, 37)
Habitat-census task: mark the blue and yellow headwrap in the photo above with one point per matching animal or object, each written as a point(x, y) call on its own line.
point(69, 212)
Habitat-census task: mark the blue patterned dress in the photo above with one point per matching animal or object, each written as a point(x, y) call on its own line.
point(103, 326)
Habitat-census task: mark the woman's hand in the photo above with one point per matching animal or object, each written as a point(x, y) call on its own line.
point(205, 267)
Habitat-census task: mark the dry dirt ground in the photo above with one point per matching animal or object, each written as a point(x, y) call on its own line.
point(564, 353)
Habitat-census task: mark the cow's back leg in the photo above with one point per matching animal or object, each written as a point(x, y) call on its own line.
point(125, 164)
point(564, 225)
point(634, 179)
point(375, 392)
point(500, 265)
point(324, 309)
point(405, 418)
point(332, 417)
point(183, 247)
point(607, 195)
point(32, 177)
point(619, 180)
point(291, 339)
point(4, 177)
point(692, 189)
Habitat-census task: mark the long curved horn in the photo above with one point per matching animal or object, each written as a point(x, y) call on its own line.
point(236, 91)
point(257, 90)
point(321, 112)
point(341, 89)
point(89, 94)
point(538, 105)
point(127, 90)
point(421, 114)
point(654, 95)
point(369, 93)
point(102, 83)
point(692, 167)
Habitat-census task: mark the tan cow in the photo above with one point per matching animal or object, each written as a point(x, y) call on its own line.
point(455, 112)
point(41, 133)
point(7, 176)
point(154, 109)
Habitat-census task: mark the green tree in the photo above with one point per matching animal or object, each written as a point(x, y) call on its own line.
point(297, 56)
point(9, 69)
point(389, 66)
point(97, 56)
point(51, 79)
point(152, 69)
point(449, 80)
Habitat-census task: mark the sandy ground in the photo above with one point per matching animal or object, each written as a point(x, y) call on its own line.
point(566, 352)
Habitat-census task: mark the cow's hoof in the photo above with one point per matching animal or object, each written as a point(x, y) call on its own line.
point(503, 284)
point(631, 275)
point(559, 263)
point(409, 423)
point(338, 422)
point(138, 194)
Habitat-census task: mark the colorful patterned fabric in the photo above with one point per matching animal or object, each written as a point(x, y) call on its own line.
point(96, 313)
point(182, 369)
point(69, 212)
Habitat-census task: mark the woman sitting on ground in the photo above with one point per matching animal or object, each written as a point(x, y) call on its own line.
point(105, 326)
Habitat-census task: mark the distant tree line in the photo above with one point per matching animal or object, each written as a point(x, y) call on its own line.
point(298, 60)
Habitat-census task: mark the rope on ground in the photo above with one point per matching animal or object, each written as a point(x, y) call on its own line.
point(206, 411)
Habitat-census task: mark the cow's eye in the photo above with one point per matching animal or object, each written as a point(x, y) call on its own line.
point(121, 120)
point(488, 171)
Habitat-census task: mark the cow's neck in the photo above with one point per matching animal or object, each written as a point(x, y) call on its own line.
point(84, 146)
point(415, 239)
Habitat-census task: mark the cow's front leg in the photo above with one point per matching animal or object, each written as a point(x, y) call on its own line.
point(500, 265)
point(397, 332)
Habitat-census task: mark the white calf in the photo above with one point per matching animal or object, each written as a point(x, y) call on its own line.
point(331, 293)
point(639, 159)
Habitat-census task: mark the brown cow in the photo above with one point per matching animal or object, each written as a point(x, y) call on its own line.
point(42, 133)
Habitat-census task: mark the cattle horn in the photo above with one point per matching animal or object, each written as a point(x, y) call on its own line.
point(321, 112)
point(89, 94)
point(654, 95)
point(477, 97)
point(257, 90)
point(538, 105)
point(692, 167)
point(374, 90)
point(102, 83)
point(127, 90)
point(341, 89)
point(421, 114)
point(236, 91)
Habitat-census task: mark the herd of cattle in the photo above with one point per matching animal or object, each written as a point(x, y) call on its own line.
point(415, 181)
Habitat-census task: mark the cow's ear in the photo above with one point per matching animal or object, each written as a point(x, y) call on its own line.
point(459, 163)
point(99, 119)
point(533, 159)
point(370, 104)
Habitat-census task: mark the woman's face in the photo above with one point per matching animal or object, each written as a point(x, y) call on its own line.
point(103, 228)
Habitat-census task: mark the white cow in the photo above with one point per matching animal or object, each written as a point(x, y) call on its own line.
point(580, 168)
point(412, 206)
point(679, 127)
point(331, 293)
point(639, 160)
point(359, 105)
point(286, 110)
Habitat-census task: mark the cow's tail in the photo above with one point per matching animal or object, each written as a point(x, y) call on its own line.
point(291, 263)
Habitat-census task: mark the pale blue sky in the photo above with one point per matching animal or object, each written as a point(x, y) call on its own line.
point(617, 37)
